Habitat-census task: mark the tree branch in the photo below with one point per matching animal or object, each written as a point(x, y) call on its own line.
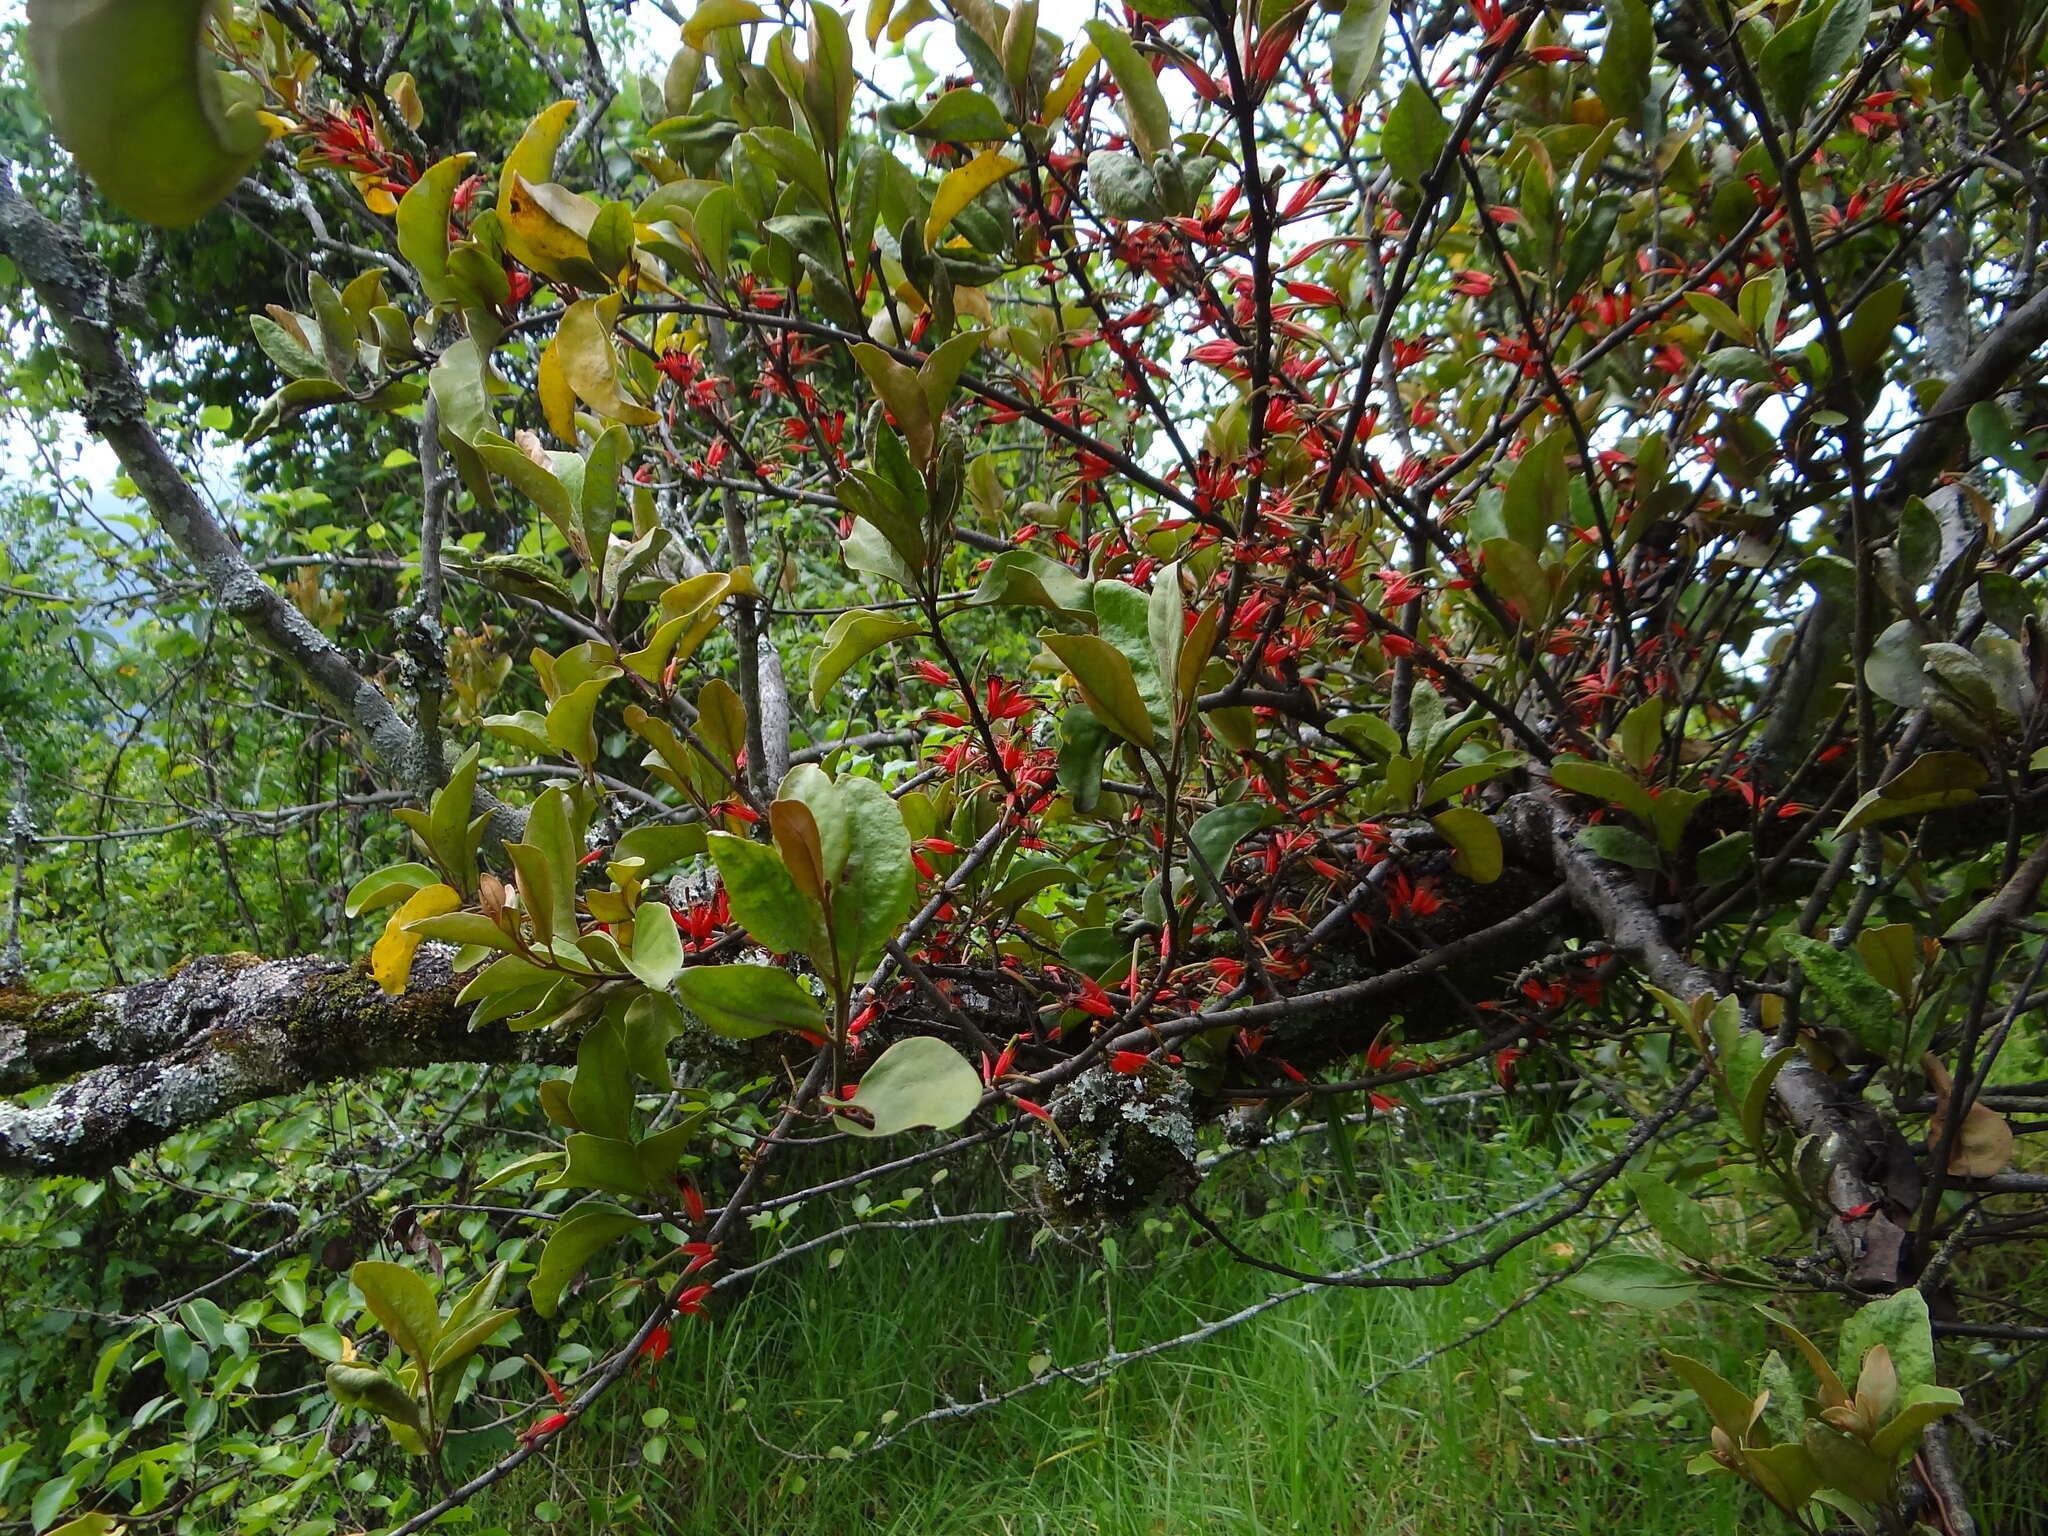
point(221, 1032)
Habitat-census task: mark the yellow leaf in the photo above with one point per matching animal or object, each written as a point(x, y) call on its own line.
point(557, 399)
point(963, 186)
point(1476, 841)
point(533, 157)
point(715, 15)
point(391, 957)
point(1069, 84)
point(592, 368)
point(545, 226)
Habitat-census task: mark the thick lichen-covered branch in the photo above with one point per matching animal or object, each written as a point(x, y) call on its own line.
point(223, 1031)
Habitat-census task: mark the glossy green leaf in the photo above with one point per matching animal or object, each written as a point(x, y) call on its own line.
point(585, 1229)
point(745, 1001)
point(918, 1082)
point(852, 636)
point(1106, 681)
point(1414, 135)
point(1141, 102)
point(403, 1303)
point(1635, 1280)
point(1475, 840)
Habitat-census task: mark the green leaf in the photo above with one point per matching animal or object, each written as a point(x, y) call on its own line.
point(1472, 834)
point(1603, 782)
point(1900, 1323)
point(746, 1001)
point(1355, 48)
point(1216, 834)
point(403, 1302)
point(1107, 683)
point(918, 1082)
point(601, 1097)
point(288, 349)
point(132, 92)
point(1538, 494)
point(1678, 1217)
point(1918, 1408)
point(1517, 575)
point(864, 856)
point(50, 1500)
point(354, 1385)
point(1936, 781)
point(1867, 333)
point(1142, 104)
point(1856, 1000)
point(1414, 135)
point(765, 901)
point(459, 1344)
point(852, 636)
point(657, 955)
point(387, 887)
point(660, 846)
point(1635, 1280)
point(1622, 73)
point(963, 117)
point(1619, 845)
point(940, 372)
point(1642, 734)
point(1724, 858)
point(1731, 1409)
point(423, 225)
point(1020, 578)
point(1805, 54)
point(587, 1227)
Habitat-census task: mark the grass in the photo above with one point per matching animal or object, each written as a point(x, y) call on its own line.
point(759, 1420)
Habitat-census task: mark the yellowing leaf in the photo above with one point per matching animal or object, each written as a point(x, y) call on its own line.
point(1107, 683)
point(902, 391)
point(963, 186)
point(391, 957)
point(1476, 839)
point(715, 15)
point(591, 367)
point(533, 157)
point(423, 224)
point(557, 399)
point(545, 227)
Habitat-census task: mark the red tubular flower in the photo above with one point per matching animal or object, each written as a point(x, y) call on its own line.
point(656, 1343)
point(691, 1299)
point(1314, 293)
point(1093, 1000)
point(540, 1429)
point(700, 1254)
point(1129, 1063)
